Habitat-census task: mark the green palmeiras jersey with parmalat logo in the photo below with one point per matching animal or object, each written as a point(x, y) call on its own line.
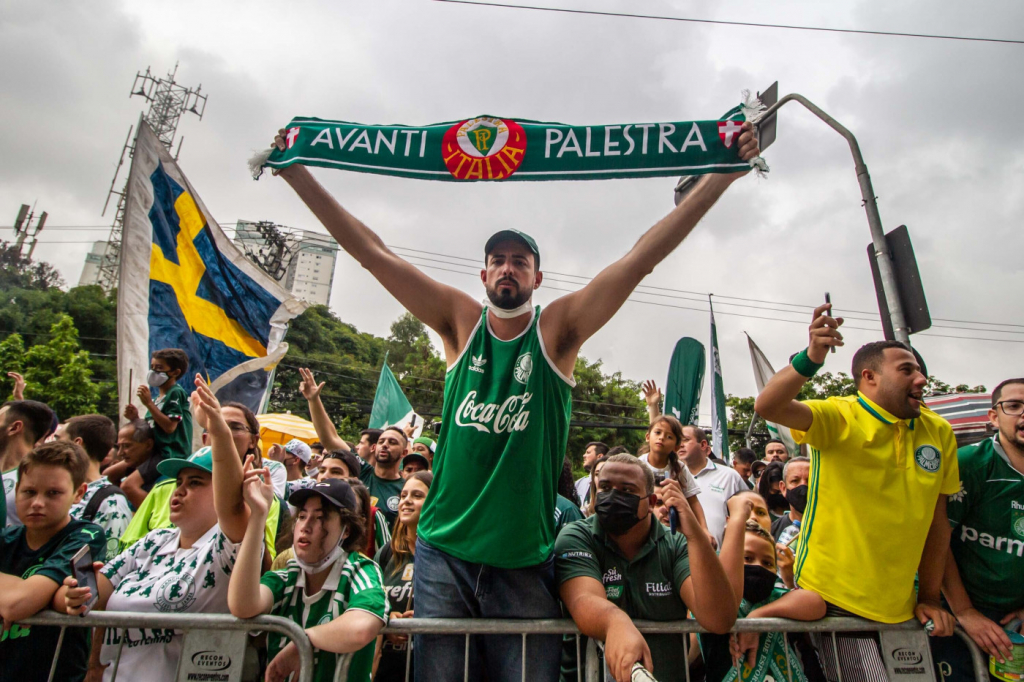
point(503, 436)
point(987, 516)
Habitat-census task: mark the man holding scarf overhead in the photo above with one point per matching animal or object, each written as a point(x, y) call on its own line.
point(506, 413)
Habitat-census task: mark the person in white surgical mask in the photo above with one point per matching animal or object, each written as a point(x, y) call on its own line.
point(331, 590)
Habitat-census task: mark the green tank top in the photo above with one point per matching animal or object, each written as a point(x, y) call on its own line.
point(504, 428)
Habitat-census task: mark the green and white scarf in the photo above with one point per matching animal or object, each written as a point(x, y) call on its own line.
point(495, 148)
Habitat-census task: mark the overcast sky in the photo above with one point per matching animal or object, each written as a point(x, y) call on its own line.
point(937, 120)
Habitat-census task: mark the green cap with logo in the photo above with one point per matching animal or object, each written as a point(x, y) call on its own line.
point(515, 236)
point(200, 459)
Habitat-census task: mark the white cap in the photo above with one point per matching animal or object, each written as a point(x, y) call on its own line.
point(299, 449)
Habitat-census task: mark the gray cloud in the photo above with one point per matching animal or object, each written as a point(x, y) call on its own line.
point(936, 121)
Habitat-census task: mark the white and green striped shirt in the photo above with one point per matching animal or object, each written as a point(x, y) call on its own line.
point(354, 582)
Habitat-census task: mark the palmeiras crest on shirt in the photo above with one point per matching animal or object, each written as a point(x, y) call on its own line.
point(523, 368)
point(1017, 521)
point(484, 148)
point(175, 592)
point(928, 458)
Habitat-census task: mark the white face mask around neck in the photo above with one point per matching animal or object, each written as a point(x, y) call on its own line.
point(509, 314)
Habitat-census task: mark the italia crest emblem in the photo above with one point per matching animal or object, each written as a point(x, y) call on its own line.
point(728, 132)
point(928, 458)
point(484, 148)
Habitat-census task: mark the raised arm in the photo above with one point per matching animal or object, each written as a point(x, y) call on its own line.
point(777, 401)
point(707, 591)
point(731, 555)
point(246, 596)
point(446, 310)
point(653, 397)
point(574, 318)
point(322, 423)
point(232, 514)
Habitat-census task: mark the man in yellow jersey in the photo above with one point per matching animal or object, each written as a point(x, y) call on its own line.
point(882, 465)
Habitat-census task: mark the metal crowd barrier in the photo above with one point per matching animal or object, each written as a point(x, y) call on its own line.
point(832, 626)
point(186, 622)
point(523, 628)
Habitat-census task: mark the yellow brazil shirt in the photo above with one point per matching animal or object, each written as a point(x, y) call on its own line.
point(875, 480)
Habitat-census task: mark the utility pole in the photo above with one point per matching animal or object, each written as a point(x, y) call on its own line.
point(23, 228)
point(267, 245)
point(168, 100)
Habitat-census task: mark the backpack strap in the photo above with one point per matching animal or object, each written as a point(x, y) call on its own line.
point(94, 504)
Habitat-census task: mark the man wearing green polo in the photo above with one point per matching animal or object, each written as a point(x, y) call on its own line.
point(621, 564)
point(487, 527)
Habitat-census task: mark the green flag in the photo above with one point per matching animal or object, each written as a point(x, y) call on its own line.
point(390, 406)
point(685, 380)
point(719, 422)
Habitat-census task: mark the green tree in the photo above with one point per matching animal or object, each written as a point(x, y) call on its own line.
point(604, 398)
point(12, 359)
point(18, 271)
point(58, 373)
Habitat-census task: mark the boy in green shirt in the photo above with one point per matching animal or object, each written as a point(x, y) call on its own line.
point(36, 557)
point(169, 413)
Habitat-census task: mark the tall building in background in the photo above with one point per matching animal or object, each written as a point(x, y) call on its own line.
point(302, 261)
point(93, 263)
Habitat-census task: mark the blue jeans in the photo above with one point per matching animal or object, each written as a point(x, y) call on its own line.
point(446, 587)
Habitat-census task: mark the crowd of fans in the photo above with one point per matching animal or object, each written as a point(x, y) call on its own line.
point(326, 534)
point(487, 522)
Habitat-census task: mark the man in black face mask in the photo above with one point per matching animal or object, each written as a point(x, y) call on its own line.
point(621, 564)
point(795, 478)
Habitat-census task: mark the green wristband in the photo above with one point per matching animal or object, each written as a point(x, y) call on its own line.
point(804, 366)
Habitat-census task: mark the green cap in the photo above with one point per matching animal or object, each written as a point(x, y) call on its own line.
point(512, 235)
point(426, 441)
point(200, 459)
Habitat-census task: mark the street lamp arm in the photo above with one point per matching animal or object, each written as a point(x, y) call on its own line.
point(885, 267)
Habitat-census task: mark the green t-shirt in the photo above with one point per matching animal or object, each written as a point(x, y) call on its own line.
point(3, 510)
point(987, 516)
point(386, 491)
point(354, 582)
point(565, 513)
point(645, 588)
point(771, 660)
point(155, 512)
point(178, 443)
point(26, 651)
point(504, 428)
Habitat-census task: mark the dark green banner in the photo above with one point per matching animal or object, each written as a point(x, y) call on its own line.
point(495, 148)
point(685, 380)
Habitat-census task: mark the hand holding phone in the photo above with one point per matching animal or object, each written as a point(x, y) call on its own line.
point(85, 575)
point(831, 313)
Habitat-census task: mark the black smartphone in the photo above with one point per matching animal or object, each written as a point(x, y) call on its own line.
point(81, 569)
point(831, 313)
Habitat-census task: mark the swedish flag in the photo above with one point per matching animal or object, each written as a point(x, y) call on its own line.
point(184, 284)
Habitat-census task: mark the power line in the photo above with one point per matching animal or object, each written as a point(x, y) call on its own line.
point(762, 304)
point(702, 296)
point(720, 22)
point(761, 317)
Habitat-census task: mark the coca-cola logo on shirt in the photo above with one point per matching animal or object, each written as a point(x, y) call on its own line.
point(509, 416)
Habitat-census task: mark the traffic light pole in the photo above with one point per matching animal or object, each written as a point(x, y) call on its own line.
point(885, 267)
